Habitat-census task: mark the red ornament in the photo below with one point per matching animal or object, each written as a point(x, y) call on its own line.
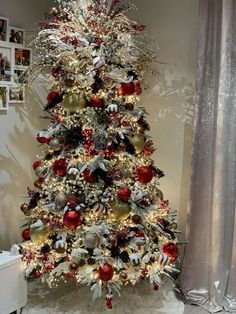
point(72, 202)
point(171, 249)
point(72, 219)
point(59, 167)
point(105, 272)
point(96, 102)
point(37, 163)
point(56, 72)
point(43, 139)
point(139, 234)
point(53, 96)
point(144, 174)
point(109, 301)
point(138, 88)
point(89, 177)
point(109, 151)
point(155, 286)
point(124, 194)
point(26, 234)
point(126, 89)
point(37, 274)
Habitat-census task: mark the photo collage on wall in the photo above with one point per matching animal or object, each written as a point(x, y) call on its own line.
point(14, 61)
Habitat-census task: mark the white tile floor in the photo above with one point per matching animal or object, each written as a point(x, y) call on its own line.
point(139, 300)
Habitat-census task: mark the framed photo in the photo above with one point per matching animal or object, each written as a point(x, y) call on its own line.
point(4, 97)
point(3, 28)
point(6, 64)
point(22, 57)
point(17, 94)
point(16, 35)
point(19, 76)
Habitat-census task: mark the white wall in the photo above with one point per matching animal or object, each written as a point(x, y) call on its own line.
point(173, 24)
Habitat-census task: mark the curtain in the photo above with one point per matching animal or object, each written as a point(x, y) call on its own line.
point(208, 276)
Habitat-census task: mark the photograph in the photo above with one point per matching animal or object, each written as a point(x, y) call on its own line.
point(3, 28)
point(5, 64)
point(3, 98)
point(16, 94)
point(19, 76)
point(22, 57)
point(16, 35)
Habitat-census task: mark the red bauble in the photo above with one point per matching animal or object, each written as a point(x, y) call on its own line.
point(171, 249)
point(109, 151)
point(96, 102)
point(52, 96)
point(26, 234)
point(43, 139)
point(138, 88)
point(89, 177)
point(126, 89)
point(59, 167)
point(72, 219)
point(37, 163)
point(105, 272)
point(144, 174)
point(124, 193)
point(37, 274)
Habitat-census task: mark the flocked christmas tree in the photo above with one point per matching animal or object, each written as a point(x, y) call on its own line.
point(97, 214)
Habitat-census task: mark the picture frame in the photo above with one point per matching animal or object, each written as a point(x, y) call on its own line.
point(6, 64)
point(18, 76)
point(16, 94)
point(22, 57)
point(4, 28)
point(4, 97)
point(16, 36)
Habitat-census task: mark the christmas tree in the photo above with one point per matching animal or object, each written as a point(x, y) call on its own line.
point(97, 215)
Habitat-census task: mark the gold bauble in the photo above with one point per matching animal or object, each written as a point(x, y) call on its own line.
point(123, 276)
point(60, 200)
point(91, 240)
point(138, 141)
point(120, 210)
point(69, 81)
point(74, 102)
point(25, 209)
point(39, 235)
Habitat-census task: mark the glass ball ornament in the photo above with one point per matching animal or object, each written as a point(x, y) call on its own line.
point(69, 80)
point(105, 272)
point(25, 209)
point(144, 174)
point(54, 144)
point(138, 141)
point(91, 240)
point(120, 210)
point(40, 171)
point(127, 89)
point(74, 102)
point(39, 234)
point(72, 219)
point(60, 200)
point(26, 234)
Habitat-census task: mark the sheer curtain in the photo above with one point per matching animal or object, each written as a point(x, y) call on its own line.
point(208, 277)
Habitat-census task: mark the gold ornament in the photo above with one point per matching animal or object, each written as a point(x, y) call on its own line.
point(25, 209)
point(69, 81)
point(74, 102)
point(91, 240)
point(39, 234)
point(138, 141)
point(123, 276)
point(60, 200)
point(120, 210)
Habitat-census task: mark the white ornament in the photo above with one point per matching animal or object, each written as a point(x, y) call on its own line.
point(98, 62)
point(112, 108)
point(163, 259)
point(135, 259)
